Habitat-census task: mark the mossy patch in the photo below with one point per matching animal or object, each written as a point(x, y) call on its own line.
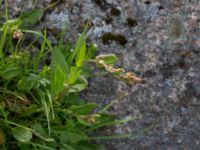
point(109, 37)
point(57, 1)
point(147, 2)
point(100, 2)
point(131, 22)
point(121, 39)
point(160, 7)
point(115, 11)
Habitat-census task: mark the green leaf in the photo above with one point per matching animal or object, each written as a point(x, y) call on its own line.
point(74, 74)
point(80, 85)
point(79, 51)
point(73, 99)
point(83, 109)
point(22, 134)
point(109, 59)
point(40, 132)
point(33, 80)
point(25, 84)
point(59, 71)
point(72, 137)
point(10, 72)
point(31, 18)
point(91, 52)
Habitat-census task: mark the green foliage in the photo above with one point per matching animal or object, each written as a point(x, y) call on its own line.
point(59, 71)
point(31, 18)
point(40, 107)
point(108, 59)
point(21, 134)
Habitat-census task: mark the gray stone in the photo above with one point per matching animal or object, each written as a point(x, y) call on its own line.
point(58, 20)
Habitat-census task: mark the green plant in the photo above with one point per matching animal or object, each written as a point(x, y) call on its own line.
point(40, 106)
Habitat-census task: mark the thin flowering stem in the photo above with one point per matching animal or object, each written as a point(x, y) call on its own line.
point(120, 73)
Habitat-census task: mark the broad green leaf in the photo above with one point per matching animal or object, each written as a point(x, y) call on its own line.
point(74, 74)
point(22, 134)
point(83, 109)
point(33, 80)
point(59, 71)
point(80, 85)
point(40, 132)
point(31, 18)
point(91, 52)
point(109, 59)
point(24, 84)
point(72, 137)
point(79, 52)
point(73, 99)
point(10, 72)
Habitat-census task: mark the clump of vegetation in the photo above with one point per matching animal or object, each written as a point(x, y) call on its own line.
point(131, 22)
point(108, 37)
point(115, 11)
point(40, 106)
